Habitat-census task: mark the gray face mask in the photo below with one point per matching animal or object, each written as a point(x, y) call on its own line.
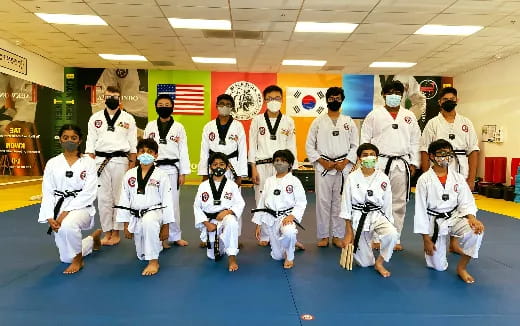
point(281, 167)
point(69, 146)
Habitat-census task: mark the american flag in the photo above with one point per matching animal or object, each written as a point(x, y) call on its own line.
point(188, 99)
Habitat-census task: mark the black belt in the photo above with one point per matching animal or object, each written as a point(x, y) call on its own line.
point(172, 162)
point(407, 166)
point(337, 159)
point(365, 209)
point(231, 155)
point(459, 152)
point(216, 244)
point(57, 207)
point(139, 212)
point(277, 214)
point(266, 161)
point(108, 157)
point(437, 215)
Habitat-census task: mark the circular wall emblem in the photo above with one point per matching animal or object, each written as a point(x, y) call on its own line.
point(248, 100)
point(429, 88)
point(122, 73)
point(308, 102)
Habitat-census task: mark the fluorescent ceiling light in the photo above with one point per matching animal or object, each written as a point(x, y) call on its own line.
point(71, 19)
point(231, 61)
point(123, 57)
point(200, 23)
point(392, 64)
point(448, 30)
point(315, 63)
point(312, 27)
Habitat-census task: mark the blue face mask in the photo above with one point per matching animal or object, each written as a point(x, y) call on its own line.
point(393, 100)
point(146, 159)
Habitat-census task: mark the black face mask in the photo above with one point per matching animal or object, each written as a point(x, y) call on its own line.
point(164, 111)
point(218, 172)
point(111, 103)
point(448, 106)
point(334, 106)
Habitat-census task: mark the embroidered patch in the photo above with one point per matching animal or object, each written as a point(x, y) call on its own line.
point(408, 120)
point(205, 196)
point(83, 175)
point(383, 186)
point(346, 126)
point(151, 135)
point(465, 128)
point(98, 123)
point(289, 189)
point(123, 125)
point(175, 138)
point(261, 130)
point(122, 73)
point(131, 182)
point(154, 182)
point(233, 137)
point(285, 132)
point(456, 188)
point(211, 136)
point(228, 195)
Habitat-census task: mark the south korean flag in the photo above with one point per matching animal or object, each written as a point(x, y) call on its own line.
point(306, 101)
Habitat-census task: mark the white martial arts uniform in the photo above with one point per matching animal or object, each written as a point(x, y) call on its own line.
point(262, 148)
point(146, 229)
point(80, 205)
point(374, 189)
point(99, 138)
point(464, 139)
point(412, 91)
point(176, 148)
point(326, 140)
point(459, 201)
point(228, 228)
point(403, 142)
point(235, 141)
point(286, 196)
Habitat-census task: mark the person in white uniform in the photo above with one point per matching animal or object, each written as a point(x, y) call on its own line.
point(395, 132)
point(269, 132)
point(366, 206)
point(218, 209)
point(69, 189)
point(281, 208)
point(111, 141)
point(145, 206)
point(444, 206)
point(173, 157)
point(331, 146)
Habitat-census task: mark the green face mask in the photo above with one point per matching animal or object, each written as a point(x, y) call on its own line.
point(368, 162)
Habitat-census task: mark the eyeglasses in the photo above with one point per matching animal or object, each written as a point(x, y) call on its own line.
point(270, 99)
point(337, 98)
point(443, 154)
point(115, 97)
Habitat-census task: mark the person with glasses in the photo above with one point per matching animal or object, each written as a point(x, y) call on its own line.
point(395, 131)
point(173, 157)
point(331, 146)
point(111, 141)
point(444, 206)
point(268, 133)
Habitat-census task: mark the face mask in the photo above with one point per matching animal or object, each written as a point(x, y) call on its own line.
point(111, 103)
point(443, 161)
point(164, 111)
point(146, 158)
point(224, 110)
point(368, 162)
point(393, 100)
point(274, 106)
point(334, 106)
point(218, 172)
point(449, 106)
point(69, 146)
point(281, 167)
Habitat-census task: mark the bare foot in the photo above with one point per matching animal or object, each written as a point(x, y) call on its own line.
point(263, 243)
point(232, 263)
point(323, 242)
point(376, 245)
point(75, 266)
point(455, 247)
point(288, 264)
point(166, 244)
point(299, 245)
point(181, 243)
point(398, 247)
point(106, 239)
point(338, 243)
point(115, 238)
point(382, 270)
point(152, 268)
point(96, 237)
point(465, 276)
point(203, 244)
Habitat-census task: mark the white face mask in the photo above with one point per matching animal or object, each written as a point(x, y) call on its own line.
point(393, 100)
point(274, 106)
point(224, 110)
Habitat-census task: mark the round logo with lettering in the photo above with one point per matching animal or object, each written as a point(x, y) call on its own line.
point(151, 135)
point(456, 188)
point(205, 196)
point(429, 88)
point(465, 128)
point(248, 100)
point(211, 136)
point(289, 189)
point(83, 175)
point(122, 73)
point(346, 126)
point(98, 123)
point(383, 185)
point(408, 120)
point(262, 130)
point(131, 182)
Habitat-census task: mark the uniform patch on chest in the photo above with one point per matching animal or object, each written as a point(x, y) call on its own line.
point(131, 182)
point(204, 196)
point(289, 189)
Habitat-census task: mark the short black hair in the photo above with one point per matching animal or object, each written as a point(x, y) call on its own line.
point(163, 96)
point(439, 144)
point(334, 91)
point(218, 155)
point(113, 89)
point(392, 85)
point(226, 97)
point(365, 147)
point(448, 90)
point(285, 154)
point(272, 88)
point(148, 143)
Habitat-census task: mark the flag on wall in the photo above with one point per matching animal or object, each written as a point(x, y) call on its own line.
point(188, 99)
point(306, 101)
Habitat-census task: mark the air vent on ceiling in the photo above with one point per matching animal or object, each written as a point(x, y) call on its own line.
point(245, 35)
point(162, 63)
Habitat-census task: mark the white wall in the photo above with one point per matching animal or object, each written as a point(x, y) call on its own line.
point(39, 70)
point(491, 95)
